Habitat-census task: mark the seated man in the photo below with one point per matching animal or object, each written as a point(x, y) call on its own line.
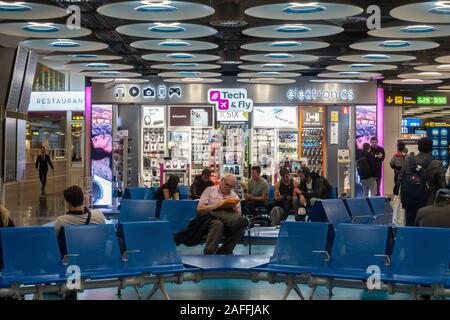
point(77, 212)
point(438, 214)
point(228, 222)
point(284, 190)
point(201, 182)
point(310, 188)
point(256, 192)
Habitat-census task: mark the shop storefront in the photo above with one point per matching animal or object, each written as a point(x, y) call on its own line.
point(175, 129)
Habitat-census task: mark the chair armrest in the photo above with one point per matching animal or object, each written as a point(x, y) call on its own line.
point(127, 252)
point(326, 255)
point(357, 219)
point(66, 257)
point(387, 259)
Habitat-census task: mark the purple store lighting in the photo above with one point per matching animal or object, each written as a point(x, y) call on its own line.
point(380, 126)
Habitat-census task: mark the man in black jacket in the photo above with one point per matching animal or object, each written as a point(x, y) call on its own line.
point(311, 186)
point(201, 182)
point(379, 155)
point(42, 161)
point(436, 215)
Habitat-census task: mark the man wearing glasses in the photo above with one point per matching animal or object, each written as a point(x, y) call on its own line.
point(228, 221)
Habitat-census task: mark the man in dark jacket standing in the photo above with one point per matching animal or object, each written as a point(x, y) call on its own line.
point(42, 162)
point(201, 182)
point(379, 155)
point(434, 173)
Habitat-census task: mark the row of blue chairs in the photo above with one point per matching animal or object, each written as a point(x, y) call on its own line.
point(142, 193)
point(373, 210)
point(419, 257)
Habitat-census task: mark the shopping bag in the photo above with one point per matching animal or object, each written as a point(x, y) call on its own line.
point(398, 216)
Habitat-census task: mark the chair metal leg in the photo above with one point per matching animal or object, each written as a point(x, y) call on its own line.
point(159, 285)
point(292, 286)
point(287, 291)
point(119, 292)
point(311, 297)
point(152, 292)
point(138, 292)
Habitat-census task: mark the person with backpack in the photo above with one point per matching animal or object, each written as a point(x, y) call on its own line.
point(379, 155)
point(365, 167)
point(310, 188)
point(419, 180)
point(397, 162)
point(282, 203)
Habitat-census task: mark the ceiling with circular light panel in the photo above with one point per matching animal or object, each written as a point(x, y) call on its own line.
point(156, 10)
point(99, 66)
point(428, 12)
point(293, 31)
point(394, 45)
point(170, 30)
point(285, 45)
point(412, 31)
point(180, 57)
point(279, 57)
point(443, 59)
point(376, 58)
point(266, 80)
point(81, 57)
point(304, 11)
point(444, 87)
point(174, 45)
point(338, 80)
point(119, 80)
point(189, 74)
point(273, 67)
point(350, 74)
point(432, 75)
point(435, 67)
point(411, 82)
point(64, 45)
point(10, 10)
point(111, 74)
point(41, 30)
point(192, 80)
point(361, 67)
point(186, 66)
point(269, 74)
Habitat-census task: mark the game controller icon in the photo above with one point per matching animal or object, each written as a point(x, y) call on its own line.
point(176, 90)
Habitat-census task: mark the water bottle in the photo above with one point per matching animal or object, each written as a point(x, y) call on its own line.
point(301, 214)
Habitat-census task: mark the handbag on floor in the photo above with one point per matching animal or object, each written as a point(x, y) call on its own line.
point(398, 216)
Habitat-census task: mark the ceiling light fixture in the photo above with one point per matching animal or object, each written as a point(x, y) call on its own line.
point(84, 56)
point(189, 73)
point(442, 7)
point(64, 43)
point(304, 8)
point(178, 55)
point(444, 66)
point(412, 80)
point(338, 80)
point(285, 44)
point(155, 6)
point(192, 79)
point(293, 28)
point(167, 27)
point(174, 43)
point(278, 55)
point(430, 74)
point(109, 73)
point(376, 56)
point(273, 65)
point(394, 44)
point(40, 27)
point(362, 65)
point(265, 79)
point(349, 73)
point(269, 73)
point(418, 29)
point(98, 65)
point(13, 7)
point(230, 62)
point(186, 65)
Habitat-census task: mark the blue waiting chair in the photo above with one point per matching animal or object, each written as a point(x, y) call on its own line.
point(359, 210)
point(271, 193)
point(381, 208)
point(150, 249)
point(178, 213)
point(355, 248)
point(137, 210)
point(184, 192)
point(334, 193)
point(138, 193)
point(94, 248)
point(299, 250)
point(30, 257)
point(421, 257)
point(330, 210)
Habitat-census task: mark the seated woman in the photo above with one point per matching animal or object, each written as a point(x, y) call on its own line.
point(5, 219)
point(169, 190)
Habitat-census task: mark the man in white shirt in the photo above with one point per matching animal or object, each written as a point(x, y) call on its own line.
point(228, 222)
point(77, 212)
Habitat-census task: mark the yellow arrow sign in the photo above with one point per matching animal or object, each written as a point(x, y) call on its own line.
point(389, 99)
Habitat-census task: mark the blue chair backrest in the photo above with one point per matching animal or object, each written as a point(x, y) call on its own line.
point(330, 210)
point(421, 252)
point(334, 193)
point(358, 190)
point(178, 213)
point(150, 244)
point(137, 210)
point(379, 205)
point(137, 193)
point(30, 251)
point(297, 241)
point(358, 207)
point(184, 192)
point(96, 247)
point(271, 192)
point(355, 246)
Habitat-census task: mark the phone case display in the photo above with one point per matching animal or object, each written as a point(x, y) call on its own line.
point(120, 163)
point(178, 167)
point(264, 151)
point(287, 146)
point(234, 151)
point(312, 148)
point(200, 147)
point(440, 136)
point(179, 144)
point(154, 148)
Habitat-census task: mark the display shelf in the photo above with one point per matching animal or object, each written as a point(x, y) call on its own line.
point(153, 154)
point(200, 150)
point(312, 144)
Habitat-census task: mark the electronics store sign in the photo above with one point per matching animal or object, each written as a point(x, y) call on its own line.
point(321, 95)
point(230, 100)
point(57, 101)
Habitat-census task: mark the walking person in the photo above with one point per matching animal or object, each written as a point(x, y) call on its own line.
point(366, 166)
point(379, 155)
point(42, 162)
point(397, 162)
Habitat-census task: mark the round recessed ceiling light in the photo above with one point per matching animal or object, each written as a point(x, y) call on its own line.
point(338, 80)
point(411, 81)
point(269, 74)
point(266, 80)
point(189, 73)
point(444, 67)
point(155, 7)
point(186, 65)
point(13, 7)
point(374, 56)
point(98, 65)
point(273, 65)
point(441, 7)
point(40, 27)
point(430, 74)
point(174, 43)
point(361, 65)
point(394, 44)
point(349, 73)
point(64, 43)
point(285, 44)
point(279, 55)
point(418, 29)
point(180, 55)
point(167, 27)
point(302, 8)
point(109, 73)
point(83, 56)
point(291, 28)
point(192, 80)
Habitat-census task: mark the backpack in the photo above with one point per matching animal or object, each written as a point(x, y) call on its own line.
point(326, 194)
point(415, 189)
point(363, 168)
point(275, 216)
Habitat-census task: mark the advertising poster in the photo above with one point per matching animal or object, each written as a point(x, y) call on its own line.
point(232, 118)
point(102, 154)
point(190, 117)
point(154, 117)
point(275, 117)
point(366, 124)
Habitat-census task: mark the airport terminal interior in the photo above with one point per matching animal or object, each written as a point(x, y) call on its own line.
point(224, 150)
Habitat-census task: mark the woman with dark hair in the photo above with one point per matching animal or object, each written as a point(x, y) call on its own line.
point(169, 190)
